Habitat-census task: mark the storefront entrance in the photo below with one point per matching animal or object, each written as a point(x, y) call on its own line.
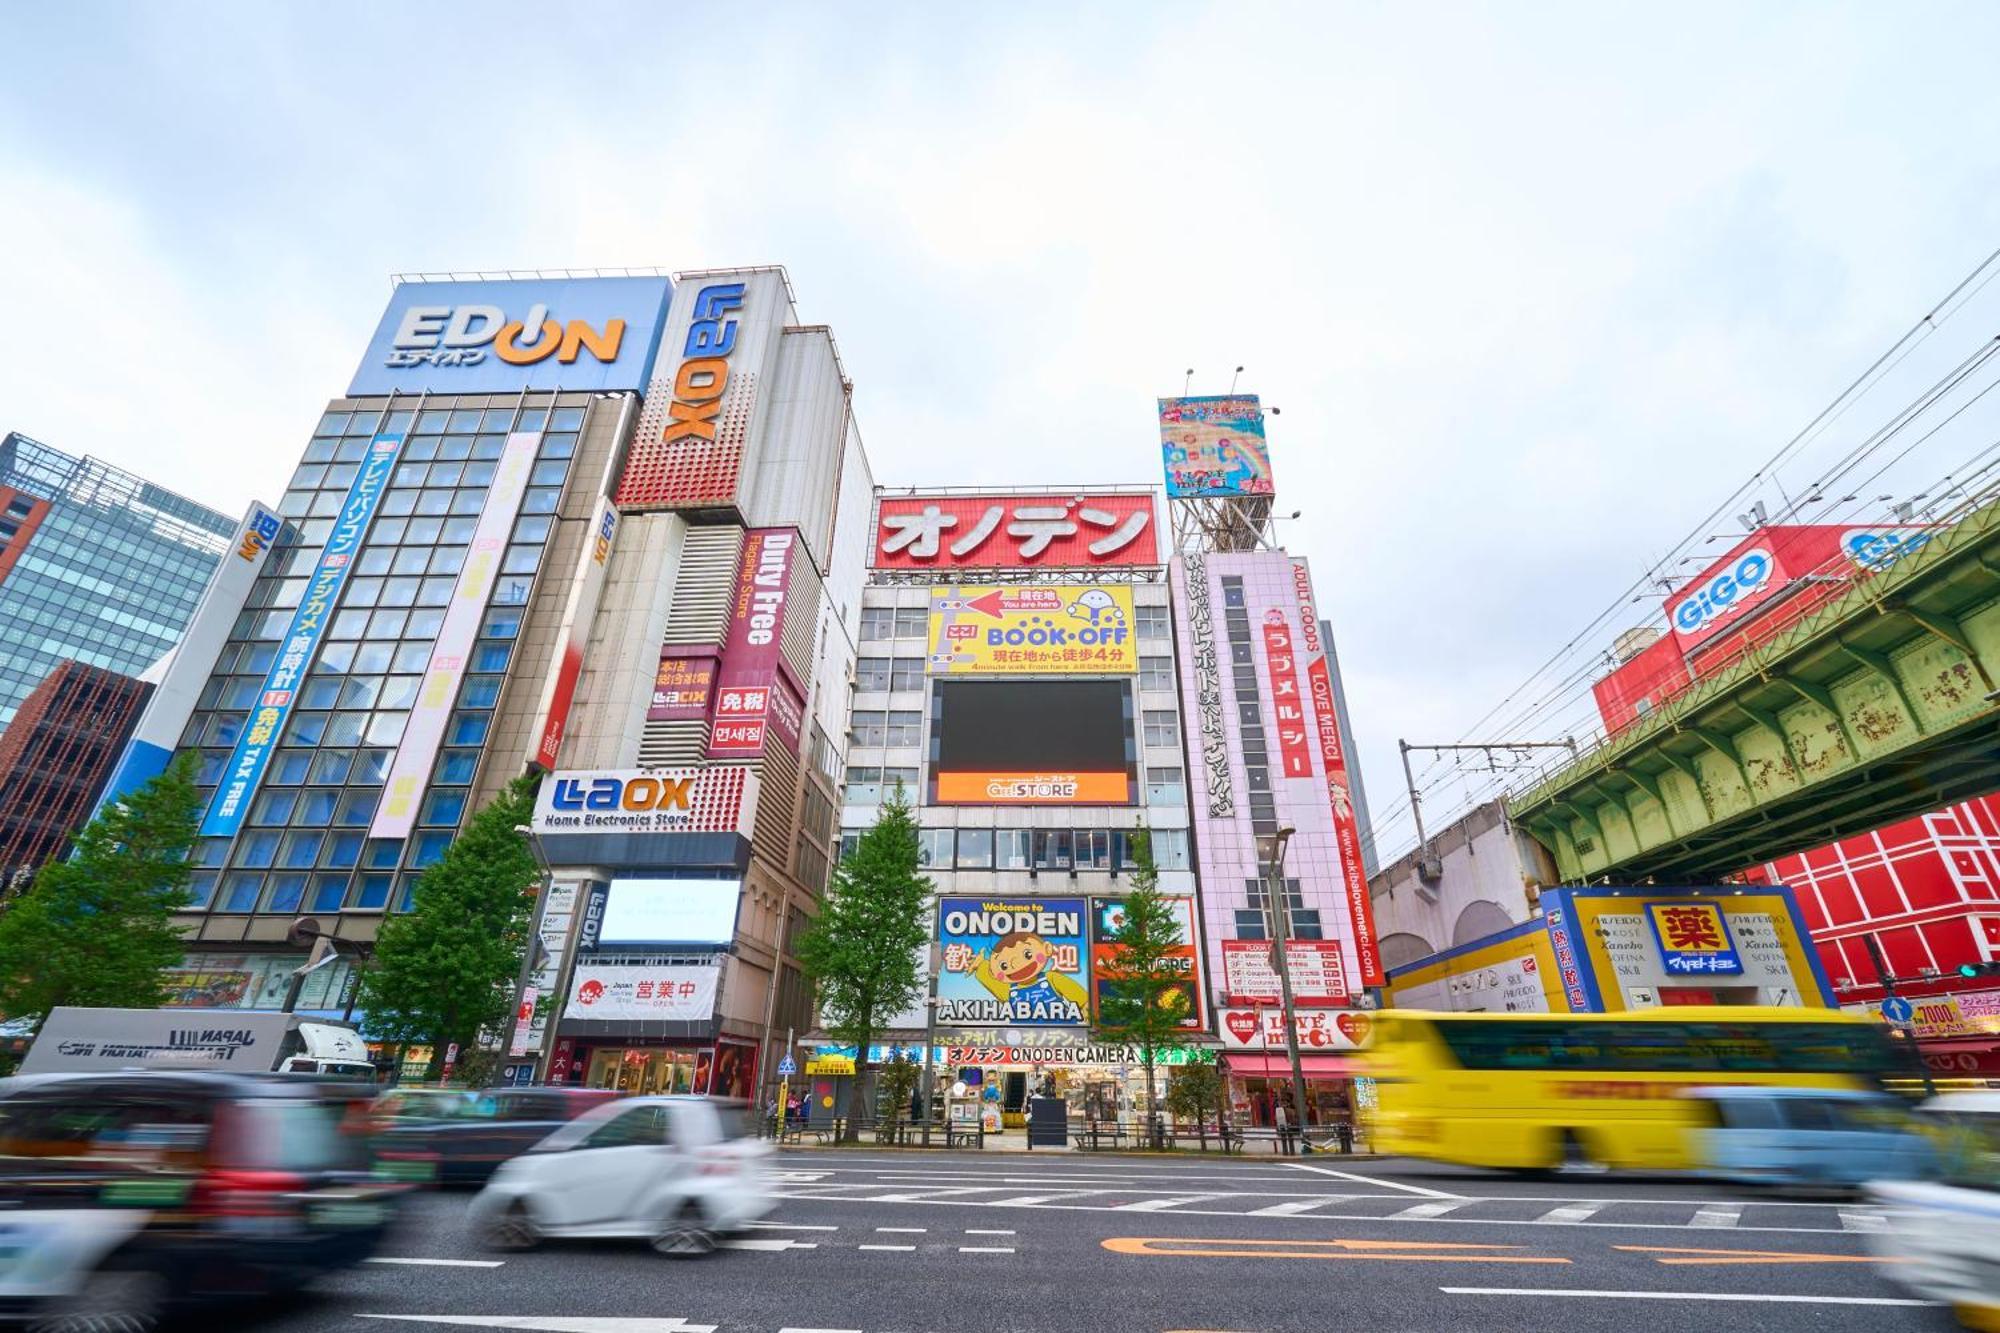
point(642, 1069)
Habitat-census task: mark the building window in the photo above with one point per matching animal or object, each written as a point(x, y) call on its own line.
point(902, 780)
point(1152, 622)
point(871, 674)
point(1164, 786)
point(1093, 849)
point(869, 729)
point(864, 786)
point(1162, 729)
point(1052, 849)
point(1012, 849)
point(1170, 848)
point(850, 838)
point(878, 622)
point(328, 892)
point(934, 848)
point(907, 673)
point(975, 849)
point(1249, 924)
point(912, 622)
point(239, 893)
point(1305, 924)
point(905, 727)
point(371, 893)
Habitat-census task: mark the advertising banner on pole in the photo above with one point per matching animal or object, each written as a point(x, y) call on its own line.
point(1215, 446)
point(1318, 979)
point(262, 729)
point(1288, 707)
point(586, 588)
point(1033, 631)
point(1013, 962)
point(438, 694)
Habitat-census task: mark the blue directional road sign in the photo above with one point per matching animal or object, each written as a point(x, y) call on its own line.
point(787, 1067)
point(1898, 1010)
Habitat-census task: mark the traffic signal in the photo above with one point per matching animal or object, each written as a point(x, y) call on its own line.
point(1979, 969)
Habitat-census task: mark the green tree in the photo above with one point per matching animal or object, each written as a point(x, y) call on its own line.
point(861, 950)
point(445, 972)
point(1196, 1091)
point(98, 929)
point(1143, 992)
point(899, 1078)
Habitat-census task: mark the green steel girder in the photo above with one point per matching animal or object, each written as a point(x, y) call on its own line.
point(1890, 667)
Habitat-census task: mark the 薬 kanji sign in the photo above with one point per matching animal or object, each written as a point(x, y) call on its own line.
point(1062, 531)
point(1694, 939)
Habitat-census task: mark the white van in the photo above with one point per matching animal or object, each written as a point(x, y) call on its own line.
point(76, 1041)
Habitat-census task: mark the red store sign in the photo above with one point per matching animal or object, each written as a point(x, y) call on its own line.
point(1069, 531)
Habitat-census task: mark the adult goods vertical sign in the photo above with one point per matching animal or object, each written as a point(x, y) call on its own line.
point(281, 684)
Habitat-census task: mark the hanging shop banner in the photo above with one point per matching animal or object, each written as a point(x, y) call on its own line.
point(1339, 791)
point(654, 800)
point(586, 587)
point(683, 687)
point(1263, 1029)
point(1016, 961)
point(1318, 979)
point(438, 694)
point(274, 702)
point(1288, 708)
point(1215, 446)
point(752, 655)
point(1008, 531)
point(680, 992)
point(1183, 998)
point(1028, 630)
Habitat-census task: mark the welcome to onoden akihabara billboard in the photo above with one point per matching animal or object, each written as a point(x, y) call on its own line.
point(595, 334)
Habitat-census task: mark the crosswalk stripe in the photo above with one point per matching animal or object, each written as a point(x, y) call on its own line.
point(900, 1249)
point(1417, 1211)
point(1290, 1209)
point(1854, 1219)
point(919, 1196)
point(986, 1249)
point(1571, 1212)
point(1155, 1205)
point(1019, 1200)
point(1717, 1215)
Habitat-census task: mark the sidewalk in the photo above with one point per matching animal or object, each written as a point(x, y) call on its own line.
point(1015, 1141)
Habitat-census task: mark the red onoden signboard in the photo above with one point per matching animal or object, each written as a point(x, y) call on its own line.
point(1066, 531)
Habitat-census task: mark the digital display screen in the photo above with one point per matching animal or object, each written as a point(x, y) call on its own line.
point(683, 912)
point(1032, 742)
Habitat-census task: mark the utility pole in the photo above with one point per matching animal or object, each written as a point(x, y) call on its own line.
point(1281, 918)
point(535, 952)
point(930, 1035)
point(1489, 748)
point(1888, 980)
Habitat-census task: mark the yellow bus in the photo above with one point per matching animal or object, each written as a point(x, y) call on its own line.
point(1535, 1091)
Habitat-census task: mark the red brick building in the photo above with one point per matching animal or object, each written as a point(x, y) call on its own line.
point(55, 756)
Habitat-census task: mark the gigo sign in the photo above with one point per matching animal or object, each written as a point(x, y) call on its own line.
point(577, 333)
point(1723, 592)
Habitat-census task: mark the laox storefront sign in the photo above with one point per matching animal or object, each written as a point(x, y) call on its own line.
point(667, 800)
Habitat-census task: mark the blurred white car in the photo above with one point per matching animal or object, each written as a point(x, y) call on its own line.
point(677, 1172)
point(1942, 1238)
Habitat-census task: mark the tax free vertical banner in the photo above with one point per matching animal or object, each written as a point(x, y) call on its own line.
point(295, 651)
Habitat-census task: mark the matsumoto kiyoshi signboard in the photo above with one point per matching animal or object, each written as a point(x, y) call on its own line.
point(1014, 962)
point(1215, 446)
point(1694, 939)
point(295, 651)
point(1032, 630)
point(484, 337)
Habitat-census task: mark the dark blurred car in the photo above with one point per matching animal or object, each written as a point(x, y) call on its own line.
point(128, 1195)
point(463, 1136)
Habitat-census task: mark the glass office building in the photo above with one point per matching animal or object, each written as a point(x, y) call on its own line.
point(96, 566)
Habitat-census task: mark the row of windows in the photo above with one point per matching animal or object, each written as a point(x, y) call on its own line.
point(1041, 849)
point(878, 674)
point(289, 892)
point(435, 421)
point(913, 622)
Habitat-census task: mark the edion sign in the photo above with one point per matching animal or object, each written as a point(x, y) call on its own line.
point(1722, 593)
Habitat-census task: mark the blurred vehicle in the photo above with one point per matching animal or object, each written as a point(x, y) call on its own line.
point(1541, 1091)
point(1810, 1136)
point(130, 1194)
point(1941, 1239)
point(74, 1040)
point(463, 1136)
point(676, 1171)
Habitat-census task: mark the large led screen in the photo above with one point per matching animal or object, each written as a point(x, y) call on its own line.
point(682, 913)
point(1032, 742)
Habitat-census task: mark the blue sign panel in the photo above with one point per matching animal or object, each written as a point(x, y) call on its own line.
point(498, 337)
point(1898, 1010)
point(274, 702)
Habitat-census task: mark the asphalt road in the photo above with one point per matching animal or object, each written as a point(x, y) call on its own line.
point(878, 1242)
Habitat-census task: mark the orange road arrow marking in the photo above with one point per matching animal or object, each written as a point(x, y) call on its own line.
point(1696, 1256)
point(1202, 1247)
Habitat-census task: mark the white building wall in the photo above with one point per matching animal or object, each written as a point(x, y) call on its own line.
point(1491, 876)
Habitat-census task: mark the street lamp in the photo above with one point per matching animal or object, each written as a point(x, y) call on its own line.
point(1273, 847)
point(930, 1036)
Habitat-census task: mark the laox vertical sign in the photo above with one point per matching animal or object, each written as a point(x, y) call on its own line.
point(751, 680)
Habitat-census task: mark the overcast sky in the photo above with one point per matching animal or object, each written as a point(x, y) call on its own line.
point(1534, 285)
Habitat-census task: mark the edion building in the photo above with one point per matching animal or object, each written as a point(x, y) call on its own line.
point(528, 489)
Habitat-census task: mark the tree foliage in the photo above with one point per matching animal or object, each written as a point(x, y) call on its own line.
point(97, 929)
point(445, 971)
point(1197, 1091)
point(861, 950)
point(1143, 992)
point(899, 1078)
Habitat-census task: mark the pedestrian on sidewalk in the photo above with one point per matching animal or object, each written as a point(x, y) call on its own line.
point(1283, 1121)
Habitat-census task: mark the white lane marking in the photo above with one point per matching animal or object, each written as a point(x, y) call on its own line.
point(1023, 1200)
point(914, 1231)
point(819, 1330)
point(800, 1177)
point(919, 1196)
point(1295, 1207)
point(1418, 1211)
point(1572, 1212)
point(974, 1231)
point(900, 1249)
point(1371, 1180)
point(445, 1263)
point(1852, 1219)
point(1683, 1296)
point(1155, 1205)
point(986, 1249)
point(790, 1226)
point(1717, 1215)
point(779, 1243)
point(552, 1323)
